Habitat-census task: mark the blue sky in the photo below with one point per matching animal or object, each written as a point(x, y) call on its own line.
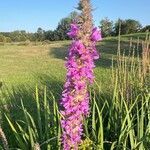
point(30, 14)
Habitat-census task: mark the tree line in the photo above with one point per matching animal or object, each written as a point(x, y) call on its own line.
point(107, 26)
point(126, 26)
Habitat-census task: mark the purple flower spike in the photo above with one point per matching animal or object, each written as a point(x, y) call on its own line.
point(75, 96)
point(73, 31)
point(96, 35)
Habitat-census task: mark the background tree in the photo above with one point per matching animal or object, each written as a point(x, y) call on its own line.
point(63, 28)
point(132, 26)
point(146, 28)
point(127, 26)
point(8, 40)
point(49, 35)
point(120, 24)
point(106, 26)
point(74, 15)
point(15, 36)
point(40, 34)
point(2, 38)
point(64, 25)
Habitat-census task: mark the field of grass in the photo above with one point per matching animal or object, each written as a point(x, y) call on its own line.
point(124, 126)
point(30, 65)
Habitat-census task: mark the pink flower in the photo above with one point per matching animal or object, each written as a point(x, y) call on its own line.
point(96, 35)
point(73, 31)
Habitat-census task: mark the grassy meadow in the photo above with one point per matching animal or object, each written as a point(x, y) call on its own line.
point(26, 65)
point(45, 64)
point(32, 77)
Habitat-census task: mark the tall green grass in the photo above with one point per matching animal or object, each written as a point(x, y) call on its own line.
point(40, 127)
point(118, 120)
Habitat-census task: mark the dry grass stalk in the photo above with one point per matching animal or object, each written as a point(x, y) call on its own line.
point(37, 146)
point(3, 139)
point(145, 57)
point(132, 72)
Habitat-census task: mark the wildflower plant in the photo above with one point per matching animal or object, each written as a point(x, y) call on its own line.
point(80, 64)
